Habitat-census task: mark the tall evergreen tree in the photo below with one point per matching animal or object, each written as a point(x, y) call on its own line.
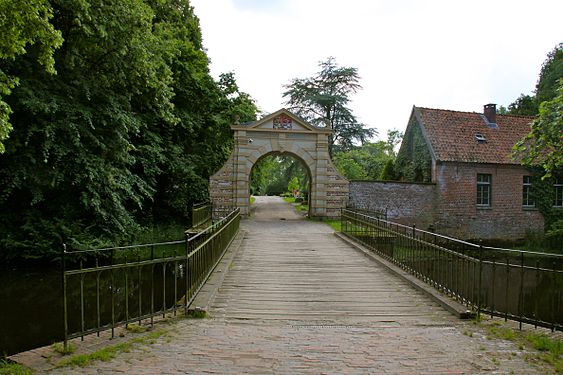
point(323, 101)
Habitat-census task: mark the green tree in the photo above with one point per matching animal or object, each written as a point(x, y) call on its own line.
point(323, 101)
point(543, 146)
point(24, 23)
point(388, 172)
point(293, 185)
point(546, 87)
point(272, 175)
point(525, 105)
point(550, 74)
point(369, 160)
point(349, 167)
point(124, 136)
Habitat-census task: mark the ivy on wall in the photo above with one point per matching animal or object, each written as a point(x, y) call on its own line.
point(414, 163)
point(543, 194)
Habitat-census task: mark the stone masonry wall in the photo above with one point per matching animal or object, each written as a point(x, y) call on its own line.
point(405, 203)
point(336, 192)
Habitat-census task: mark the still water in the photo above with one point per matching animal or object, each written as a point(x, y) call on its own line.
point(31, 312)
point(30, 308)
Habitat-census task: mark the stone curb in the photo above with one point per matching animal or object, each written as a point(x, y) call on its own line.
point(447, 303)
point(209, 290)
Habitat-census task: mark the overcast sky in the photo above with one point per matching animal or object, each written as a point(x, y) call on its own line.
point(456, 55)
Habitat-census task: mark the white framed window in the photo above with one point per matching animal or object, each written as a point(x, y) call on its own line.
point(484, 190)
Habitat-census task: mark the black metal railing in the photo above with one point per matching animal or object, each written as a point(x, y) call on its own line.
point(518, 285)
point(107, 288)
point(201, 214)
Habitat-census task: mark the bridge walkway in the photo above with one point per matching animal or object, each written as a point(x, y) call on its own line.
point(292, 298)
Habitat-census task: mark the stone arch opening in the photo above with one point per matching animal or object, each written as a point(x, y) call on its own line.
point(280, 133)
point(290, 169)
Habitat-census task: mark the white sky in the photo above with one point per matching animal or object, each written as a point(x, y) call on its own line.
point(444, 54)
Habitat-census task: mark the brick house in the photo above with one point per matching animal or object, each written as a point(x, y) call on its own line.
point(480, 190)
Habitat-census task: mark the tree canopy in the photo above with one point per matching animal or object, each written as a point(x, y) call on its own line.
point(543, 146)
point(371, 161)
point(24, 23)
point(123, 137)
point(546, 87)
point(323, 101)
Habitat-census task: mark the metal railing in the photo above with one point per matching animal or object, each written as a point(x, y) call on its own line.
point(201, 214)
point(517, 285)
point(107, 288)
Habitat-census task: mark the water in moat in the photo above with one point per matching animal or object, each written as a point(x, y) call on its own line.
point(31, 300)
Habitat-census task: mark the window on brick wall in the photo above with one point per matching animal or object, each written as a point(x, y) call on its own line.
point(527, 199)
point(484, 190)
point(558, 185)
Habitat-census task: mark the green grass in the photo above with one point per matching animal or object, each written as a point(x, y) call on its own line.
point(109, 352)
point(197, 314)
point(59, 347)
point(135, 328)
point(11, 368)
point(289, 199)
point(303, 207)
point(252, 199)
point(549, 350)
point(335, 224)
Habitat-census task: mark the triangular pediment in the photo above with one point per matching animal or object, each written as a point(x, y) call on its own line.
point(282, 120)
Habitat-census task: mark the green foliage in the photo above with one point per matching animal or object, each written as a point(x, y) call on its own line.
point(367, 162)
point(525, 105)
point(551, 73)
point(323, 101)
point(543, 195)
point(388, 172)
point(348, 166)
point(25, 28)
point(414, 162)
point(293, 184)
point(543, 145)
point(272, 175)
point(546, 87)
point(123, 137)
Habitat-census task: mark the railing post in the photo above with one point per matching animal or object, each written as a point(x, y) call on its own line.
point(187, 274)
point(65, 311)
point(521, 294)
point(479, 287)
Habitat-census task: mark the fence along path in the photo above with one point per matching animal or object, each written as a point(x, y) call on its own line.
point(292, 269)
point(297, 300)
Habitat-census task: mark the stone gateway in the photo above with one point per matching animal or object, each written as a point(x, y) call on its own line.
point(280, 133)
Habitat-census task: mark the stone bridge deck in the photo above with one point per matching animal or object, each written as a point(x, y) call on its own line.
point(296, 299)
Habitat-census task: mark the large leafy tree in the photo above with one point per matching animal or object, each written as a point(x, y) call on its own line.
point(124, 136)
point(23, 23)
point(323, 100)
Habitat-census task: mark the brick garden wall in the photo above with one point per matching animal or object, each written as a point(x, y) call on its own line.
point(405, 203)
point(450, 205)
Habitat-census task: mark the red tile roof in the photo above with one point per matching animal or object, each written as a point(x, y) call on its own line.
point(452, 135)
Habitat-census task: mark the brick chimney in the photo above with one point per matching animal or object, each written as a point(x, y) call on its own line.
point(490, 112)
